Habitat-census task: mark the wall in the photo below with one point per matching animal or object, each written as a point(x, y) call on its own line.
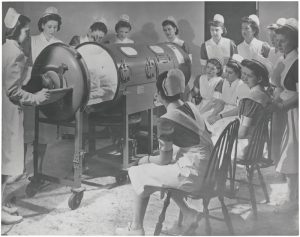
point(269, 12)
point(146, 18)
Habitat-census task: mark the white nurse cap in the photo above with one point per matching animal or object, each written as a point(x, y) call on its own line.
point(174, 83)
point(254, 18)
point(172, 19)
point(50, 11)
point(124, 17)
point(11, 18)
point(100, 19)
point(218, 18)
point(237, 58)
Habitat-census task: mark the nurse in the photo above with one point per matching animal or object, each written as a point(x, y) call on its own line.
point(171, 30)
point(183, 126)
point(251, 47)
point(286, 102)
point(49, 24)
point(96, 33)
point(275, 53)
point(14, 99)
point(123, 28)
point(217, 46)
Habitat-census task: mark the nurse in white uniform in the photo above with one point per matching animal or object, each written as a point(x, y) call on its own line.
point(217, 46)
point(96, 33)
point(14, 99)
point(49, 24)
point(251, 47)
point(122, 28)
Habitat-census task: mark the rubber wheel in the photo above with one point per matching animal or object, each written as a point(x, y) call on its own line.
point(75, 200)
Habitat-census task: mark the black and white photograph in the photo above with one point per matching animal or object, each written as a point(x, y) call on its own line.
point(125, 118)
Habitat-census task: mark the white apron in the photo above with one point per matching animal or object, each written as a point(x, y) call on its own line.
point(288, 162)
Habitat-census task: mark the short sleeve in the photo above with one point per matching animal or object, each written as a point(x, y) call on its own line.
point(233, 48)
point(203, 55)
point(197, 82)
point(265, 50)
point(186, 48)
point(165, 129)
point(291, 79)
point(249, 112)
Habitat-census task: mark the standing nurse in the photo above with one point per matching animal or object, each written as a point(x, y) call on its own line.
point(14, 99)
point(286, 102)
point(48, 24)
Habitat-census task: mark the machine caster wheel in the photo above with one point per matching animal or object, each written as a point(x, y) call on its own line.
point(31, 189)
point(75, 200)
point(121, 179)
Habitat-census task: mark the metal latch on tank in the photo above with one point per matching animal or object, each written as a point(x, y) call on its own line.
point(124, 71)
point(150, 68)
point(163, 58)
point(53, 76)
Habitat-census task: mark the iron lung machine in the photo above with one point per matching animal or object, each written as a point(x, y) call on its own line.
point(94, 84)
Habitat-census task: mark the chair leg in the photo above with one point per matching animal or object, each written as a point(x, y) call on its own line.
point(180, 219)
point(162, 215)
point(263, 184)
point(226, 216)
point(206, 215)
point(251, 190)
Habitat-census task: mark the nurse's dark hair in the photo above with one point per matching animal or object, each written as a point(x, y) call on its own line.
point(218, 65)
point(258, 69)
point(292, 35)
point(252, 24)
point(161, 91)
point(98, 26)
point(218, 24)
point(45, 19)
point(122, 24)
point(235, 66)
point(14, 33)
point(168, 22)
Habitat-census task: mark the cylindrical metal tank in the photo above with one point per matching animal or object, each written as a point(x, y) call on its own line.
point(98, 76)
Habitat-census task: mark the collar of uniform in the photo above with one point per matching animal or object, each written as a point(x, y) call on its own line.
point(14, 42)
point(43, 37)
point(253, 42)
point(177, 41)
point(216, 44)
point(235, 82)
point(291, 55)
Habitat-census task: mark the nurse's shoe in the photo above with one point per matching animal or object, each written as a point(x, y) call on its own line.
point(8, 219)
point(10, 210)
point(125, 231)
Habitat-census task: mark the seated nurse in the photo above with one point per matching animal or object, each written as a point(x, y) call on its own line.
point(252, 107)
point(182, 126)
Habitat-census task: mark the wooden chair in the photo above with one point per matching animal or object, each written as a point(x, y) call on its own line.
point(214, 181)
point(252, 160)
